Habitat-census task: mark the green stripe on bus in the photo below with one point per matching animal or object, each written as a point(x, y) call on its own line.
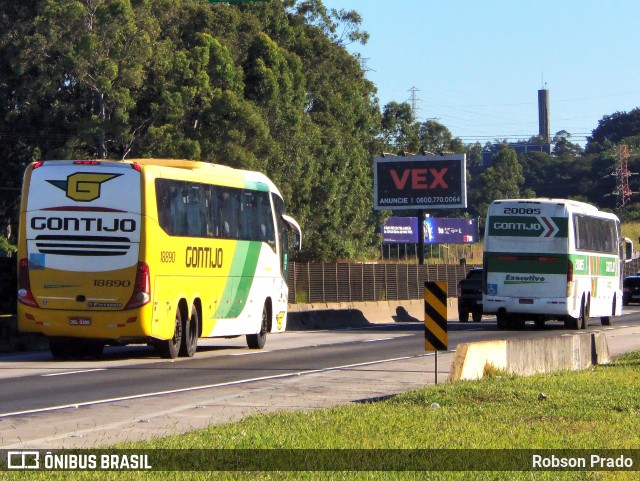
point(239, 281)
point(246, 278)
point(256, 186)
point(552, 264)
point(583, 264)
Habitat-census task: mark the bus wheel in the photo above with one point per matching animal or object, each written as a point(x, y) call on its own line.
point(576, 323)
point(88, 348)
point(463, 316)
point(606, 320)
point(170, 348)
point(257, 341)
point(583, 322)
point(477, 315)
point(539, 322)
point(190, 334)
point(60, 349)
point(503, 320)
point(518, 323)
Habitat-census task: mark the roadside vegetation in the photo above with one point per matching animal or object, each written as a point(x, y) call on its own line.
point(593, 409)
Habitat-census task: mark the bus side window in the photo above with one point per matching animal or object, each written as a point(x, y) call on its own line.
point(163, 203)
point(231, 213)
point(265, 219)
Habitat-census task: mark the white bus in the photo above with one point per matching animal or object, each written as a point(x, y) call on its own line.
point(551, 259)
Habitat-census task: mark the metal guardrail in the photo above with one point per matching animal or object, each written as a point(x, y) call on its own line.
point(358, 282)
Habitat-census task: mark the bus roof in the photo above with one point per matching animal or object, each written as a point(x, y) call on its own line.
point(198, 167)
point(208, 168)
point(572, 205)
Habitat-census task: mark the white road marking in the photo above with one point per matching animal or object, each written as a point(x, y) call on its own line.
point(72, 372)
point(206, 386)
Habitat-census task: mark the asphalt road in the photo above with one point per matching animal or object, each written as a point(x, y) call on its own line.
point(132, 394)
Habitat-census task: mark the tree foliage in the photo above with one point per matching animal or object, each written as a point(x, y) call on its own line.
point(266, 87)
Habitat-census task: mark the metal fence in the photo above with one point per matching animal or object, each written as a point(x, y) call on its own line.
point(356, 282)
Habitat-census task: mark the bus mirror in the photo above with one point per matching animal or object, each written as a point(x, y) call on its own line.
point(297, 232)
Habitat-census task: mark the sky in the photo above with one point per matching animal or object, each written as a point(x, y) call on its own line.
point(477, 65)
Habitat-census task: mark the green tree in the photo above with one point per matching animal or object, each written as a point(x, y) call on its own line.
point(400, 131)
point(502, 180)
point(434, 136)
point(614, 128)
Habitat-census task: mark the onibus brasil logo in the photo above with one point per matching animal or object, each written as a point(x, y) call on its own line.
point(83, 186)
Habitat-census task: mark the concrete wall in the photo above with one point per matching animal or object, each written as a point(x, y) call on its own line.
point(357, 314)
point(530, 356)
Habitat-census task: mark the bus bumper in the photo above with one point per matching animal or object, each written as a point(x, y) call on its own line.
point(106, 325)
point(547, 306)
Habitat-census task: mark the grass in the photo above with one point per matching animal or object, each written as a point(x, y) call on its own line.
point(597, 408)
point(632, 231)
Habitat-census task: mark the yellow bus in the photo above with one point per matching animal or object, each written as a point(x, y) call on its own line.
point(154, 251)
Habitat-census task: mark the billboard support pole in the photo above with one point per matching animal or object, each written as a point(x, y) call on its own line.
point(420, 237)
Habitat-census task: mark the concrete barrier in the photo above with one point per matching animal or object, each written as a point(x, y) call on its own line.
point(530, 356)
point(358, 314)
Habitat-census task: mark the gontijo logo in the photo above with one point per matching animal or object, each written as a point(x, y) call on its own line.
point(83, 186)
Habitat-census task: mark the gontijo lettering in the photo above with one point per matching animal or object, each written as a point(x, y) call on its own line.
point(204, 257)
point(517, 226)
point(82, 224)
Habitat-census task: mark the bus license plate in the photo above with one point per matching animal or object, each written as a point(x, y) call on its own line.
point(79, 321)
point(526, 301)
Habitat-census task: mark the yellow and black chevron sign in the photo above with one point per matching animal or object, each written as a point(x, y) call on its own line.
point(435, 316)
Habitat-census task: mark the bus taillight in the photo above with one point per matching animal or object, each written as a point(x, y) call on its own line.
point(142, 287)
point(25, 296)
point(569, 278)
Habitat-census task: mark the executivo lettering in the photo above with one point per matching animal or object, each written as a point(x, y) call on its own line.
point(531, 279)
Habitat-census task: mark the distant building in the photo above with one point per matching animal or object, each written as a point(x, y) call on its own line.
point(545, 145)
point(519, 147)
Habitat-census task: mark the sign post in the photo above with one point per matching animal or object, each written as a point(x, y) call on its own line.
point(435, 319)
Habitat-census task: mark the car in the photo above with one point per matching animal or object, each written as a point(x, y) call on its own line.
point(631, 290)
point(470, 296)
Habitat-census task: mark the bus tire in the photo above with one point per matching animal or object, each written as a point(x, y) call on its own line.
point(576, 323)
point(539, 322)
point(518, 323)
point(89, 348)
point(60, 349)
point(503, 320)
point(477, 315)
point(606, 320)
point(463, 316)
point(257, 341)
point(170, 348)
point(583, 322)
point(190, 327)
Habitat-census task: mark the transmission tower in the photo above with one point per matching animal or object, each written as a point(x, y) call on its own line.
point(622, 177)
point(414, 101)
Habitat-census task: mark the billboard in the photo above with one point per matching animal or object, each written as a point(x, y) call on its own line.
point(450, 231)
point(420, 182)
point(437, 230)
point(400, 230)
